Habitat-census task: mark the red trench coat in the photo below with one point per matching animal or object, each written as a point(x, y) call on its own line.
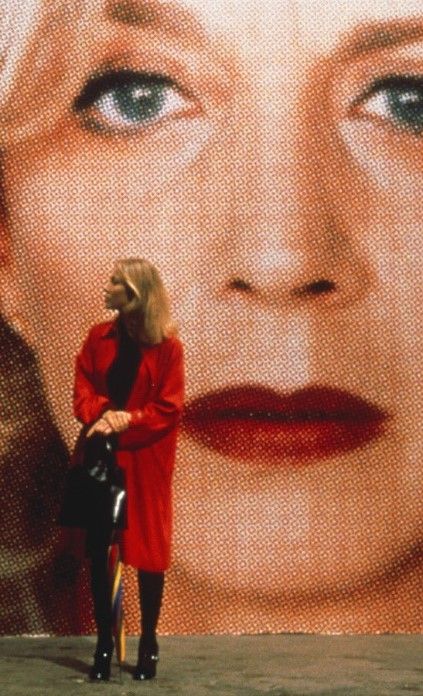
point(146, 451)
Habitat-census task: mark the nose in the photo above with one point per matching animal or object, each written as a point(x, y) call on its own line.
point(288, 237)
point(313, 288)
point(314, 265)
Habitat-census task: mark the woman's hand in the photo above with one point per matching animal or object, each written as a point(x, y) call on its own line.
point(100, 427)
point(110, 422)
point(118, 421)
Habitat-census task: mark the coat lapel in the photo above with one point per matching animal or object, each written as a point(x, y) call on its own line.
point(145, 383)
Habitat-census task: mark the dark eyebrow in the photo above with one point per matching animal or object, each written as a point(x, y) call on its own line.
point(377, 36)
point(169, 17)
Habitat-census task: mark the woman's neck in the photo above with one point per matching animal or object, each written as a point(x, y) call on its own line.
point(131, 325)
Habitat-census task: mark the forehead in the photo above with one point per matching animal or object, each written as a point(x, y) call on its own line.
point(315, 26)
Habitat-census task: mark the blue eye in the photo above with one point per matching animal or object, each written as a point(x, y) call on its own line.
point(398, 100)
point(125, 101)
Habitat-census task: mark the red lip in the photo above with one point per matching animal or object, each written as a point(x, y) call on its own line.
point(252, 423)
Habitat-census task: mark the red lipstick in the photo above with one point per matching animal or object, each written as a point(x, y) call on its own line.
point(252, 423)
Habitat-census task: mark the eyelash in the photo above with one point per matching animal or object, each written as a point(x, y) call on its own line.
point(389, 94)
point(105, 97)
point(146, 97)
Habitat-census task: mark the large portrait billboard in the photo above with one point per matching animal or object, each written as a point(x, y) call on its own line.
point(267, 157)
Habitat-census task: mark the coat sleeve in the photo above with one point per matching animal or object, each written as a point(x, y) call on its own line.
point(88, 404)
point(163, 414)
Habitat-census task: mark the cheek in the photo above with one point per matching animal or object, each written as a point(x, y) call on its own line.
point(105, 174)
point(389, 166)
point(79, 210)
point(382, 209)
point(74, 216)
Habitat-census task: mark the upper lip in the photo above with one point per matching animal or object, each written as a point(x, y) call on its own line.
point(252, 422)
point(256, 403)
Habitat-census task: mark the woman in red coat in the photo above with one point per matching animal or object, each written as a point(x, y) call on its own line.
point(129, 385)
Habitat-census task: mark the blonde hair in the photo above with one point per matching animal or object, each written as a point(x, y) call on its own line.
point(148, 311)
point(40, 43)
point(16, 22)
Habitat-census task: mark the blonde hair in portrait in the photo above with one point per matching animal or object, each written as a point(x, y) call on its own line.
point(148, 300)
point(39, 41)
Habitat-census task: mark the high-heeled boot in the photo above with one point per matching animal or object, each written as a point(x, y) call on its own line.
point(100, 670)
point(148, 656)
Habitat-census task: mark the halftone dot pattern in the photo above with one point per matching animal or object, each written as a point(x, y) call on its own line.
point(266, 156)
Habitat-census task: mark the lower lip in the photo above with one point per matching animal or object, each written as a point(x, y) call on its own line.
point(296, 442)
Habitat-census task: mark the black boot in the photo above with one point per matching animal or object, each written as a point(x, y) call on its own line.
point(147, 662)
point(100, 671)
point(151, 592)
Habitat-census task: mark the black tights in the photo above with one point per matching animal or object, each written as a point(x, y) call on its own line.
point(150, 592)
point(100, 591)
point(150, 587)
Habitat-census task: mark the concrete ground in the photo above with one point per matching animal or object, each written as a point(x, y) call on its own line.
point(223, 666)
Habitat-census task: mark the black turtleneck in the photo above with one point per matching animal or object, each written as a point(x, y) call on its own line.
point(123, 370)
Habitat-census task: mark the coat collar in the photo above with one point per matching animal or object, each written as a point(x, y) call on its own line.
point(109, 329)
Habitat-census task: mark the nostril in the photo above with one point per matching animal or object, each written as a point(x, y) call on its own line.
point(240, 284)
point(317, 287)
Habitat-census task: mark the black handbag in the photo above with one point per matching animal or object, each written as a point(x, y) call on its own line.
point(95, 496)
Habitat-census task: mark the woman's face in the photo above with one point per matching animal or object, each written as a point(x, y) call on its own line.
point(115, 293)
point(268, 158)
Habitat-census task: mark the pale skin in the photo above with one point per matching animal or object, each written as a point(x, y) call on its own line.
point(276, 158)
